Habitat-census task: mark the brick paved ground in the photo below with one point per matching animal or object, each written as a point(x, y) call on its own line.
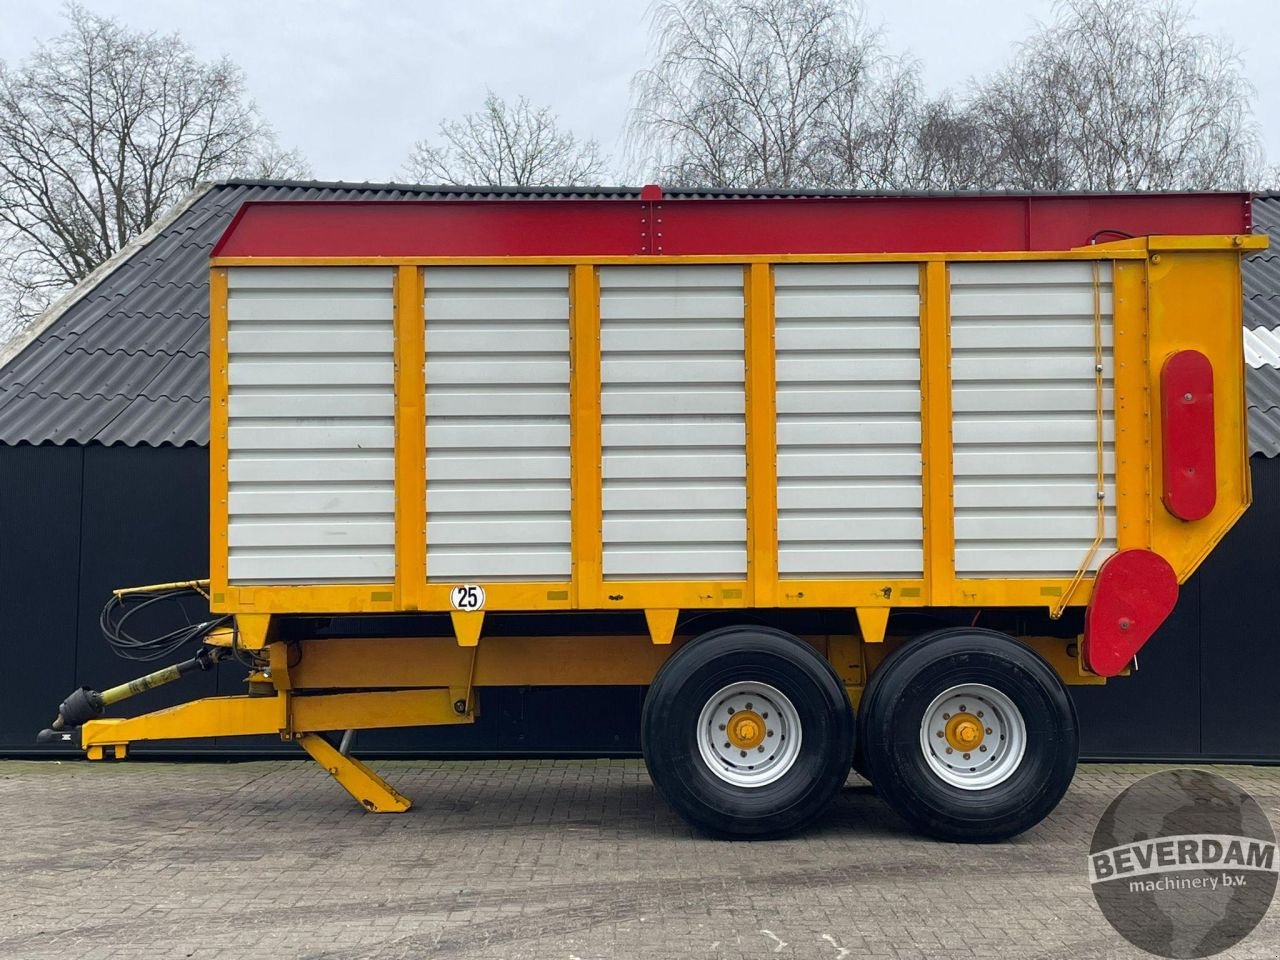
point(538, 859)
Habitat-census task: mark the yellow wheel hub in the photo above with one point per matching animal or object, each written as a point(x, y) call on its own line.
point(964, 732)
point(745, 730)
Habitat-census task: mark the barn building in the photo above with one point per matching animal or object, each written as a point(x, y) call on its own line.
point(104, 412)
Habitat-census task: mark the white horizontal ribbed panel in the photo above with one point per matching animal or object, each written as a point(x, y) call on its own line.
point(848, 394)
point(497, 423)
point(673, 429)
point(311, 417)
point(1025, 423)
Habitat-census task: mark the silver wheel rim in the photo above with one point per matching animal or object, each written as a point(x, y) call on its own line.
point(731, 745)
point(962, 756)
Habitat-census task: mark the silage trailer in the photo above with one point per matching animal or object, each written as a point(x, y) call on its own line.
point(773, 457)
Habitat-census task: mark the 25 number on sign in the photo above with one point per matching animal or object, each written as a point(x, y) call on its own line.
point(467, 597)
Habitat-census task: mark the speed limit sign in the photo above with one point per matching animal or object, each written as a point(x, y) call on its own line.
point(467, 596)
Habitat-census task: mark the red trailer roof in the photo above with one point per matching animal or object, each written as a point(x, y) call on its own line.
point(677, 226)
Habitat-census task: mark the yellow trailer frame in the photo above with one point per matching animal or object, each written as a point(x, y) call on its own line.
point(1164, 288)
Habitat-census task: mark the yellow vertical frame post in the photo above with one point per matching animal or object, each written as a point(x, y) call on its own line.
point(584, 431)
point(411, 439)
point(762, 437)
point(936, 432)
point(1132, 405)
point(219, 480)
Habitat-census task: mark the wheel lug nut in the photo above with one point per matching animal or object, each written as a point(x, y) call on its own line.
point(764, 716)
point(979, 714)
point(769, 733)
point(963, 708)
point(966, 756)
point(949, 750)
point(748, 706)
point(983, 749)
point(946, 716)
point(759, 749)
point(726, 743)
point(722, 726)
point(988, 729)
point(939, 732)
point(731, 710)
point(743, 752)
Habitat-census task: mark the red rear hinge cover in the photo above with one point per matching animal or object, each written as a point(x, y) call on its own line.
point(1186, 405)
point(1134, 592)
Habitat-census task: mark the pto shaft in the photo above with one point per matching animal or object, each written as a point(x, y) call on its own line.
point(86, 704)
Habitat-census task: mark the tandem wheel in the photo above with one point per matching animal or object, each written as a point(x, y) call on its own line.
point(747, 732)
point(968, 734)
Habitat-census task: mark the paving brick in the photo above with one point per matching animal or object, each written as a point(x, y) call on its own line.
point(523, 860)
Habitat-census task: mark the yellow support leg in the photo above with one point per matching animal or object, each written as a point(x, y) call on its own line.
point(373, 793)
point(873, 622)
point(662, 624)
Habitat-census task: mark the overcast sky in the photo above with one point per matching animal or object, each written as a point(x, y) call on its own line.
point(353, 83)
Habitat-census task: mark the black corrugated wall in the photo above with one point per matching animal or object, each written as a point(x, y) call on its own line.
point(76, 522)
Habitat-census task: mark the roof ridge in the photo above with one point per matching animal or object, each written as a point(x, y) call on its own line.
point(15, 347)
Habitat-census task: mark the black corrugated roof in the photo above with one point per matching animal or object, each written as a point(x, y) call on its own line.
point(1262, 330)
point(127, 361)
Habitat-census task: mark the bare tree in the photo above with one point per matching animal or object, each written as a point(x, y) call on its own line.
point(949, 148)
point(506, 144)
point(101, 130)
point(770, 93)
point(1118, 95)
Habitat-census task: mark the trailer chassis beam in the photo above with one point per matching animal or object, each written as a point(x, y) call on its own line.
point(292, 716)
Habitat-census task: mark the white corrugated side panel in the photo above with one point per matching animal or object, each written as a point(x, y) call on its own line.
point(848, 394)
point(1025, 424)
point(311, 425)
point(498, 497)
point(673, 431)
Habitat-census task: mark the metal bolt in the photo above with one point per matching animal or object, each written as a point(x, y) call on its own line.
point(764, 716)
point(1187, 397)
point(748, 706)
point(979, 714)
point(459, 706)
point(726, 743)
point(769, 734)
point(722, 726)
point(949, 750)
point(946, 716)
point(963, 708)
point(966, 756)
point(939, 733)
point(743, 752)
point(988, 729)
point(759, 749)
point(731, 710)
point(983, 749)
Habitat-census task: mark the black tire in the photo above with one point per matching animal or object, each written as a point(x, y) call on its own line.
point(669, 732)
point(889, 731)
